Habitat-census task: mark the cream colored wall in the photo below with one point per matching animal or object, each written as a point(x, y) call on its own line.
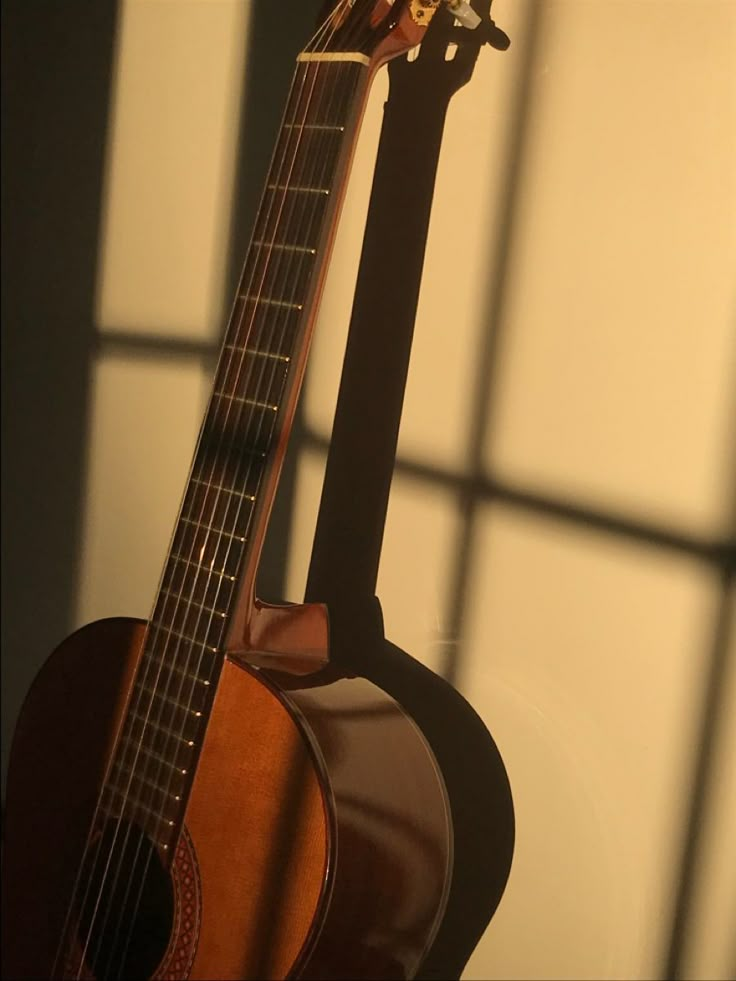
point(586, 653)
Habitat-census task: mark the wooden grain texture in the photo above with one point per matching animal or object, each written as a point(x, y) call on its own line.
point(259, 826)
point(320, 835)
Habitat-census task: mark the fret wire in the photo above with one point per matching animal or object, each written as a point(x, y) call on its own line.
point(226, 490)
point(264, 280)
point(253, 402)
point(190, 640)
point(260, 333)
point(173, 705)
point(209, 552)
point(148, 751)
point(270, 301)
point(297, 189)
point(250, 381)
point(167, 632)
point(286, 247)
point(170, 703)
point(217, 531)
point(181, 580)
point(169, 700)
point(132, 774)
point(267, 354)
point(196, 565)
point(152, 658)
point(169, 733)
point(255, 353)
point(245, 441)
point(200, 606)
point(210, 508)
point(198, 535)
point(186, 730)
point(311, 204)
point(147, 788)
point(314, 126)
point(137, 805)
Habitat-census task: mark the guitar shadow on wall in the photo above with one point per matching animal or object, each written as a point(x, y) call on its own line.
point(360, 464)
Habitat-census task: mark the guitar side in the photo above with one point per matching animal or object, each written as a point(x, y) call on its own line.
point(318, 838)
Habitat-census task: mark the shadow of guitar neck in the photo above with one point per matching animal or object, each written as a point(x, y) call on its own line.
point(350, 526)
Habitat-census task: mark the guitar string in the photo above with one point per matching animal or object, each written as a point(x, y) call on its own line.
point(96, 815)
point(195, 630)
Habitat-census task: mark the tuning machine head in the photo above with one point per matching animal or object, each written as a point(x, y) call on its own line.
point(464, 13)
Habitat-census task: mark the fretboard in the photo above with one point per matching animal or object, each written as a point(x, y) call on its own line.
point(158, 747)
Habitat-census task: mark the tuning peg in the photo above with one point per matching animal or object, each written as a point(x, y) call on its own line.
point(462, 10)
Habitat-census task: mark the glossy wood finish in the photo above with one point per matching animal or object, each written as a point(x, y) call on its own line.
point(393, 834)
point(57, 764)
point(317, 820)
point(271, 630)
point(259, 824)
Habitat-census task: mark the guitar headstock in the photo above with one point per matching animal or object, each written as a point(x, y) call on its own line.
point(379, 29)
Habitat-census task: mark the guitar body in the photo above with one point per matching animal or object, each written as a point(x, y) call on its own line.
point(316, 839)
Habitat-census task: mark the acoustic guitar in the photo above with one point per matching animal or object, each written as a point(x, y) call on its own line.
point(202, 795)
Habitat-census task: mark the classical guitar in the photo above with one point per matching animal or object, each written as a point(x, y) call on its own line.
point(201, 796)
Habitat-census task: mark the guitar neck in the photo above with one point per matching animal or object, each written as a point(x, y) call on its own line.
point(219, 532)
point(267, 340)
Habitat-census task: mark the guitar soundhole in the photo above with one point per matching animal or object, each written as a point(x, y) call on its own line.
point(126, 919)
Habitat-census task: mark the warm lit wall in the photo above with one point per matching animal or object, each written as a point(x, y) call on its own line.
point(586, 652)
